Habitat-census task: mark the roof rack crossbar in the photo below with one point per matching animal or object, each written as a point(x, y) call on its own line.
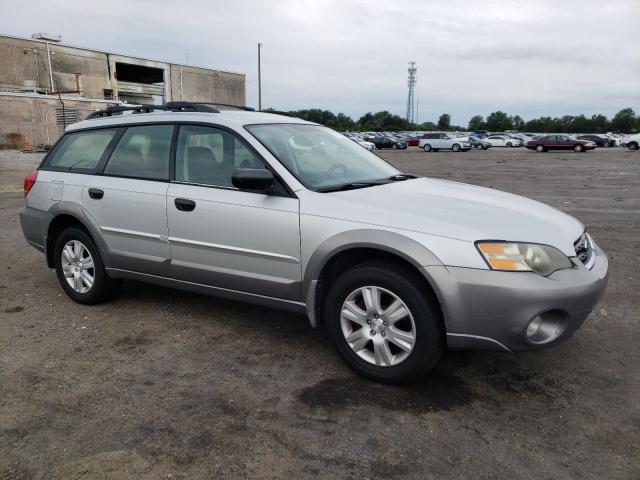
point(169, 106)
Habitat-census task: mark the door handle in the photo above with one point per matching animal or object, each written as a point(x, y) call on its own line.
point(184, 204)
point(96, 193)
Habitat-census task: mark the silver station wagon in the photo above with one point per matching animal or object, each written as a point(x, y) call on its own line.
point(284, 213)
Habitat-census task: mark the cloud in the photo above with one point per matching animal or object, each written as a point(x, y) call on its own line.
point(525, 57)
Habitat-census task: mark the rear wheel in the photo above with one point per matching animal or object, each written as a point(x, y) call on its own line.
point(382, 325)
point(426, 147)
point(540, 148)
point(578, 148)
point(80, 269)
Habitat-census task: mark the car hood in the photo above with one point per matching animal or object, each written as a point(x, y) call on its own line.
point(454, 210)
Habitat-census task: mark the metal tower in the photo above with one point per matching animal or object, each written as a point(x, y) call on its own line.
point(411, 82)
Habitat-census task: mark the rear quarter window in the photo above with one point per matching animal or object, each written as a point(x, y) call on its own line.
point(80, 151)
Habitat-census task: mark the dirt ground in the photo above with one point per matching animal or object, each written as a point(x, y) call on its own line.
point(165, 384)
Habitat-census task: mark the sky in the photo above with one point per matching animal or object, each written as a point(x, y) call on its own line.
point(529, 57)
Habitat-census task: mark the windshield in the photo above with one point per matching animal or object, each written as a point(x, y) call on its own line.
point(320, 157)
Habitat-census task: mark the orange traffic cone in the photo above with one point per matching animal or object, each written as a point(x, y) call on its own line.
point(26, 145)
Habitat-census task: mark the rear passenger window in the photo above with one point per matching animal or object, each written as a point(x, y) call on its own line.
point(143, 152)
point(80, 152)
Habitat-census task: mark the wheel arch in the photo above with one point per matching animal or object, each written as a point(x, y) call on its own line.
point(348, 249)
point(62, 216)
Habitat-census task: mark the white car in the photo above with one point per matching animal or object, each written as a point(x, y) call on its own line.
point(502, 141)
point(632, 142)
point(368, 145)
point(434, 141)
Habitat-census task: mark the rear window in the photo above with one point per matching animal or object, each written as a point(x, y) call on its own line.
point(81, 151)
point(143, 152)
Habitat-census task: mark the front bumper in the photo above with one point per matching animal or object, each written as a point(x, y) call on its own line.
point(490, 310)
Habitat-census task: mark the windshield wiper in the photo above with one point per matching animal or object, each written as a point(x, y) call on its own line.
point(401, 176)
point(351, 186)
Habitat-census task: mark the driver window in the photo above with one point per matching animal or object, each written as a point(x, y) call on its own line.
point(208, 156)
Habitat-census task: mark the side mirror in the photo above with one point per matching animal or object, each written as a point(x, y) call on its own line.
point(259, 179)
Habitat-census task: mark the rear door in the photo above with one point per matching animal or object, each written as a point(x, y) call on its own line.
point(127, 200)
point(223, 236)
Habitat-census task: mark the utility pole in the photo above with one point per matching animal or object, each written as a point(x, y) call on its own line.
point(411, 82)
point(259, 79)
point(417, 109)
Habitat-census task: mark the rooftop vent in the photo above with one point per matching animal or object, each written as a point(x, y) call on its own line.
point(48, 37)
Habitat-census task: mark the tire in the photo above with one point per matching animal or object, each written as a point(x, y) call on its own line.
point(540, 148)
point(455, 147)
point(426, 147)
point(578, 148)
point(479, 147)
point(606, 144)
point(509, 144)
point(423, 319)
point(632, 146)
point(88, 293)
point(394, 146)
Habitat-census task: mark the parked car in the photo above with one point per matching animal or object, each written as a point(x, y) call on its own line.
point(367, 145)
point(502, 141)
point(435, 141)
point(479, 143)
point(632, 142)
point(285, 213)
point(597, 139)
point(560, 142)
point(413, 141)
point(389, 142)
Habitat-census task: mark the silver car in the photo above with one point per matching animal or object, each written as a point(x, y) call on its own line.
point(434, 141)
point(285, 213)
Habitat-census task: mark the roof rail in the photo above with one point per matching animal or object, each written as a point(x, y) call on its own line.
point(169, 106)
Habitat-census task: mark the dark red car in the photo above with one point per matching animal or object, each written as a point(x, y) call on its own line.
point(413, 141)
point(560, 142)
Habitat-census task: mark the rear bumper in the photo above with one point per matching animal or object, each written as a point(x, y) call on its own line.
point(491, 310)
point(33, 223)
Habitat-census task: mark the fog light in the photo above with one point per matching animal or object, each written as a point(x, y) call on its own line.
point(546, 327)
point(534, 326)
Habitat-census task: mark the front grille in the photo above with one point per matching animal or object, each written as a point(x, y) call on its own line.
point(584, 250)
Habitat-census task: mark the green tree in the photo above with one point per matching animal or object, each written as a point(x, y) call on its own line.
point(476, 123)
point(599, 124)
point(518, 123)
point(624, 121)
point(444, 122)
point(499, 121)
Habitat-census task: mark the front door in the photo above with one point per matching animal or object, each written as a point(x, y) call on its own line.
point(225, 237)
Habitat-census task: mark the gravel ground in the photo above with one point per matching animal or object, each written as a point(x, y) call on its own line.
point(165, 384)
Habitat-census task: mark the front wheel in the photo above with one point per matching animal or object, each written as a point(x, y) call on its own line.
point(80, 269)
point(578, 148)
point(382, 324)
point(539, 148)
point(479, 147)
point(509, 144)
point(455, 147)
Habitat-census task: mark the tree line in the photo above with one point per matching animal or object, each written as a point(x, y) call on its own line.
point(625, 121)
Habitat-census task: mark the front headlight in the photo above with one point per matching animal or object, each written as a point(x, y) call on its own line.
point(523, 257)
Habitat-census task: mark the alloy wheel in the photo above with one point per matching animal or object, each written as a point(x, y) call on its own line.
point(77, 266)
point(378, 326)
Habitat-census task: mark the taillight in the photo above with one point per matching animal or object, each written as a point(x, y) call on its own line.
point(30, 181)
